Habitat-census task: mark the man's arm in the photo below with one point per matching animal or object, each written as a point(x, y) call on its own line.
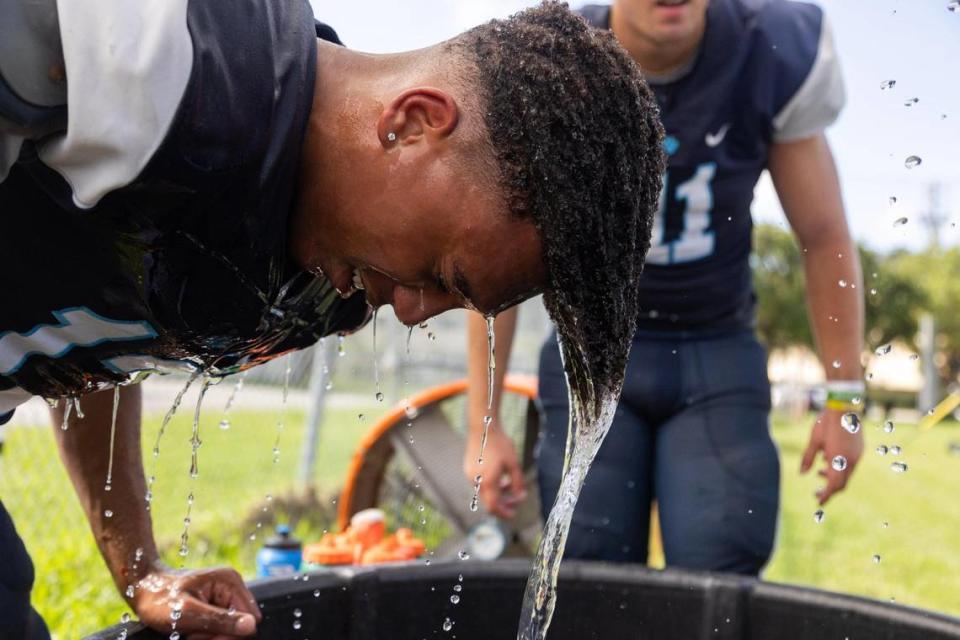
point(503, 487)
point(806, 180)
point(125, 537)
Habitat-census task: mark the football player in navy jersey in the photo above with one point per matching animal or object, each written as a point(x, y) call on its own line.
point(743, 86)
point(208, 185)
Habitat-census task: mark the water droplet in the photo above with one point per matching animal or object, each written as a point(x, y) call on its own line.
point(818, 516)
point(463, 555)
point(892, 200)
point(873, 292)
point(899, 222)
point(896, 450)
point(876, 558)
point(843, 284)
point(447, 625)
point(887, 84)
point(914, 356)
point(882, 450)
point(316, 593)
point(898, 467)
point(379, 396)
point(124, 617)
point(458, 587)
point(954, 6)
point(839, 463)
point(361, 417)
point(297, 613)
point(108, 513)
point(885, 524)
point(432, 336)
point(175, 635)
point(836, 364)
point(455, 599)
point(883, 349)
point(297, 624)
point(912, 162)
point(850, 421)
point(888, 427)
point(130, 592)
point(224, 424)
point(911, 101)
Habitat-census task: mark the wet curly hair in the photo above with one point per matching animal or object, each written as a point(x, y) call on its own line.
point(578, 143)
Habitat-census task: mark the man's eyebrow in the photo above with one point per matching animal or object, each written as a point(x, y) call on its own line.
point(461, 284)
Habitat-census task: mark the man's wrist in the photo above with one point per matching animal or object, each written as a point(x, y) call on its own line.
point(844, 395)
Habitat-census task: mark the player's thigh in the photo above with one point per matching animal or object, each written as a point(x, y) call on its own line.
point(611, 520)
point(717, 469)
point(18, 621)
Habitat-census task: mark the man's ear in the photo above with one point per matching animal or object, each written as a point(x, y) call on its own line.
point(417, 114)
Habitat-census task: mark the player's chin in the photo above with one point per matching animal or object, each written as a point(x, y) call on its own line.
point(410, 315)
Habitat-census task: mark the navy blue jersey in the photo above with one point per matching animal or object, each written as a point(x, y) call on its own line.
point(153, 228)
point(765, 73)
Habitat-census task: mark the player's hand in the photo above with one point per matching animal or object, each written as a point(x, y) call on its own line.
point(208, 604)
point(831, 439)
point(503, 487)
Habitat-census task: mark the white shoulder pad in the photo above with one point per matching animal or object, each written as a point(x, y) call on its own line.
point(819, 100)
point(128, 63)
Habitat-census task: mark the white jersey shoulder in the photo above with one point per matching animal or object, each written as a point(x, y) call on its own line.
point(127, 65)
point(819, 100)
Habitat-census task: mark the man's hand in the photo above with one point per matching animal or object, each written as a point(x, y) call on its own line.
point(830, 438)
point(503, 487)
point(199, 601)
point(209, 604)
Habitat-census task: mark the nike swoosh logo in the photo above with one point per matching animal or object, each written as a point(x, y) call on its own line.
point(713, 139)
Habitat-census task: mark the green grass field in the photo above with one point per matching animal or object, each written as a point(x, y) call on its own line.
point(920, 547)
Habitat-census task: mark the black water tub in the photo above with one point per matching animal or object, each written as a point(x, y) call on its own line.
point(596, 602)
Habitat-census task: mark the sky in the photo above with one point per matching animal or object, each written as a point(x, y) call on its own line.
point(914, 42)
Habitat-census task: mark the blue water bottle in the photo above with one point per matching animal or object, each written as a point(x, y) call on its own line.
point(281, 555)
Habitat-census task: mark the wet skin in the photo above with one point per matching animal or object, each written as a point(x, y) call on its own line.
point(396, 184)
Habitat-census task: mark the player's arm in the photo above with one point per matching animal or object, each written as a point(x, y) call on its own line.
point(806, 180)
point(502, 488)
point(125, 537)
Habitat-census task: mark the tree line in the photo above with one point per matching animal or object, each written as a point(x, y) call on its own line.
point(898, 288)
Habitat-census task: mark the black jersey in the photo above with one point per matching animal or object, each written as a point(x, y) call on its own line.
point(766, 72)
point(153, 227)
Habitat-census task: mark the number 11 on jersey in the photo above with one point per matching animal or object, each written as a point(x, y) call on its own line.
point(693, 200)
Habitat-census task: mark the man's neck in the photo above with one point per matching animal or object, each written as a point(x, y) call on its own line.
point(654, 58)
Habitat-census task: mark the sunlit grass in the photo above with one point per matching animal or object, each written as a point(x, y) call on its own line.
point(919, 547)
